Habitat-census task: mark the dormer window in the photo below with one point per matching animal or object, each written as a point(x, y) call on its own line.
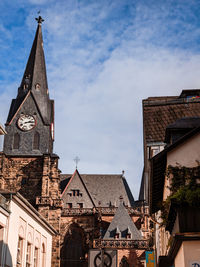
point(37, 87)
point(117, 236)
point(26, 82)
point(128, 236)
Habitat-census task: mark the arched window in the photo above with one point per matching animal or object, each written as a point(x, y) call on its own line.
point(36, 140)
point(16, 141)
point(74, 248)
point(19, 252)
point(36, 257)
point(28, 254)
point(124, 262)
point(43, 255)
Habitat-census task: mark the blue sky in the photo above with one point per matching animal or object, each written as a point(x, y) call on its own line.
point(103, 57)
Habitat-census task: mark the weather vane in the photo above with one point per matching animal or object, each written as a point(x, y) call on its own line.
point(76, 161)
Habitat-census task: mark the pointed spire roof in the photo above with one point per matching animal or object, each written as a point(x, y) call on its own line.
point(122, 224)
point(35, 72)
point(34, 79)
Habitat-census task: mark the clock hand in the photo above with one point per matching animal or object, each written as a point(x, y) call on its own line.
point(28, 121)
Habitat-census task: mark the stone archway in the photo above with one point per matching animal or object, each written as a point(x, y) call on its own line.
point(73, 249)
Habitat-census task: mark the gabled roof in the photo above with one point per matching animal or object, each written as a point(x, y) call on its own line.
point(14, 112)
point(76, 174)
point(122, 224)
point(104, 189)
point(158, 168)
point(2, 130)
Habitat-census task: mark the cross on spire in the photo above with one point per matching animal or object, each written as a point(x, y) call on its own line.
point(39, 20)
point(76, 161)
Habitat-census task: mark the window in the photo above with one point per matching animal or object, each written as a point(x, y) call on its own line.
point(76, 193)
point(28, 255)
point(1, 240)
point(69, 205)
point(36, 140)
point(80, 205)
point(154, 151)
point(43, 256)
point(37, 87)
point(16, 141)
point(128, 236)
point(36, 257)
point(117, 236)
point(19, 252)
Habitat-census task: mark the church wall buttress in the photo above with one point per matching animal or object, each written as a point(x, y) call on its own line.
point(49, 202)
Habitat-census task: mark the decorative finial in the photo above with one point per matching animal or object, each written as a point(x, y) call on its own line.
point(39, 19)
point(123, 172)
point(76, 161)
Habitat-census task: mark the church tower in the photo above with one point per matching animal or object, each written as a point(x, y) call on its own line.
point(28, 164)
point(30, 122)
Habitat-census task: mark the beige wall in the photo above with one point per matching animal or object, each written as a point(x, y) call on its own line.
point(23, 224)
point(188, 253)
point(4, 220)
point(186, 154)
point(179, 260)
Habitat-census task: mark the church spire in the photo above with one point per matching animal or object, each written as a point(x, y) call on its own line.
point(35, 77)
point(30, 123)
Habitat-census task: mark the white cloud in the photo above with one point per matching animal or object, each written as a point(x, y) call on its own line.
point(103, 122)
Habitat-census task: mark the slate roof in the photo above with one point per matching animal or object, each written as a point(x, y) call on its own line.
point(34, 74)
point(122, 224)
point(105, 189)
point(158, 112)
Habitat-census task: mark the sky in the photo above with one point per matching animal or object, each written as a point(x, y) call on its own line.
point(103, 57)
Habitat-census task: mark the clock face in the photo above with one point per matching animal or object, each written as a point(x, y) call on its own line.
point(26, 122)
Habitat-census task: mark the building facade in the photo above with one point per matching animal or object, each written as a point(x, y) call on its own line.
point(26, 238)
point(175, 184)
point(168, 121)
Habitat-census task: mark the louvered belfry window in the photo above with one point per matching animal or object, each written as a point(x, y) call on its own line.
point(36, 140)
point(16, 141)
